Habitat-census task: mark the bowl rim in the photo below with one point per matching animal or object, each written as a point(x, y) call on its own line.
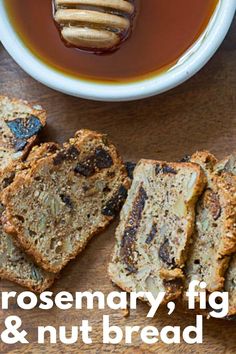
point(197, 57)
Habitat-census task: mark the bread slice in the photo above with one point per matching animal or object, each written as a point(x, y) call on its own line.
point(15, 265)
point(230, 286)
point(20, 124)
point(214, 237)
point(156, 225)
point(67, 197)
point(228, 165)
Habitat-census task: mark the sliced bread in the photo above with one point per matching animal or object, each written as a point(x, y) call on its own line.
point(20, 124)
point(230, 286)
point(229, 165)
point(66, 198)
point(214, 238)
point(156, 225)
point(15, 265)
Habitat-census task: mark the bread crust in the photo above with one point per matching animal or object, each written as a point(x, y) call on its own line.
point(48, 282)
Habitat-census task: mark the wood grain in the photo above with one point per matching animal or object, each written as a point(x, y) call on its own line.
point(200, 114)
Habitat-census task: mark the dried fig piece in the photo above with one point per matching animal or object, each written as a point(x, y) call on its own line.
point(165, 169)
point(25, 128)
point(165, 254)
point(114, 204)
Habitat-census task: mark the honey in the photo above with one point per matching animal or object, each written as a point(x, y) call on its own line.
point(162, 32)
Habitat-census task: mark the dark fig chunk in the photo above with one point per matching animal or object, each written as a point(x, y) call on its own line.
point(165, 169)
point(165, 254)
point(129, 237)
point(66, 199)
point(212, 202)
point(115, 203)
point(130, 166)
point(52, 148)
point(72, 152)
point(85, 169)
point(152, 234)
point(66, 155)
point(168, 169)
point(25, 128)
point(102, 158)
point(20, 144)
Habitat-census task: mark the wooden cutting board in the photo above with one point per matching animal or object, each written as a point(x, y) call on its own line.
point(200, 114)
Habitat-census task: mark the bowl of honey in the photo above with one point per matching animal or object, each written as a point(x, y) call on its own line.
point(113, 50)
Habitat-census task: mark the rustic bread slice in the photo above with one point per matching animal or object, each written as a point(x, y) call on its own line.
point(67, 197)
point(15, 265)
point(214, 237)
point(228, 165)
point(20, 124)
point(230, 286)
point(156, 225)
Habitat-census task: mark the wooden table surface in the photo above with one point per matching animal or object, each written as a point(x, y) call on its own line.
point(200, 114)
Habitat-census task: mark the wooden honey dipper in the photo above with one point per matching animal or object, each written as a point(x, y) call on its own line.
point(97, 25)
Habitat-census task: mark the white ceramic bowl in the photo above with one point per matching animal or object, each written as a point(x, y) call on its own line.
point(192, 61)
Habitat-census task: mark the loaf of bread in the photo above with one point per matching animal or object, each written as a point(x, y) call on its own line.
point(20, 125)
point(214, 238)
point(156, 225)
point(66, 198)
